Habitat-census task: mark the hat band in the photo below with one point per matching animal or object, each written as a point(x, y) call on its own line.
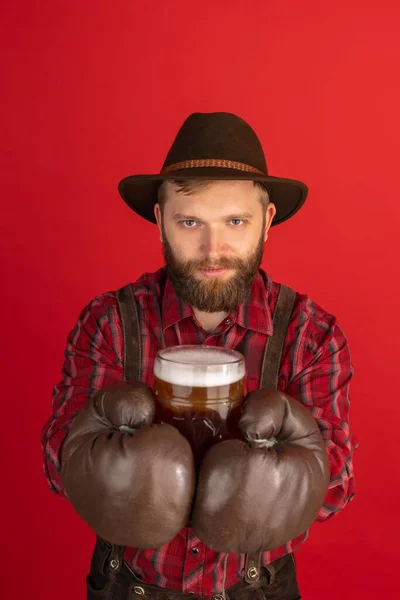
point(211, 162)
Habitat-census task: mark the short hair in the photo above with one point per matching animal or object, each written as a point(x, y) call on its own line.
point(190, 186)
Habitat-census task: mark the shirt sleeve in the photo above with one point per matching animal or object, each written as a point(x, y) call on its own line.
point(322, 385)
point(93, 358)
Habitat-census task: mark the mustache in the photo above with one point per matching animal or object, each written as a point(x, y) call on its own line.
point(222, 263)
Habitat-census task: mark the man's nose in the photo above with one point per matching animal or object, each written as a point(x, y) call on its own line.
point(213, 243)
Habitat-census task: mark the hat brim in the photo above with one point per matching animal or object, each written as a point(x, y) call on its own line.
point(140, 191)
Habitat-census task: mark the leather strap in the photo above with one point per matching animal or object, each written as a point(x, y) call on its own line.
point(269, 378)
point(131, 333)
point(132, 372)
point(252, 567)
point(116, 559)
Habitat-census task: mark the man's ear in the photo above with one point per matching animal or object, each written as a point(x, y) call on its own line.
point(158, 216)
point(269, 215)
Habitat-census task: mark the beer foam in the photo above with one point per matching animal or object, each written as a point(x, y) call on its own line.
point(199, 368)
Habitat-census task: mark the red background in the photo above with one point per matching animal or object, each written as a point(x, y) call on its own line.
point(94, 91)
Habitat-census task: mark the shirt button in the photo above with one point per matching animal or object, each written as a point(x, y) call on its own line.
point(195, 550)
point(228, 321)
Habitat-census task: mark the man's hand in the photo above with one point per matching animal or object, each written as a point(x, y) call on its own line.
point(258, 494)
point(131, 481)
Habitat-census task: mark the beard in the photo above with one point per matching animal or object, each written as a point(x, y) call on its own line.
point(215, 295)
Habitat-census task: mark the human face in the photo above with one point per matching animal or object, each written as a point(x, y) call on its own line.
point(213, 242)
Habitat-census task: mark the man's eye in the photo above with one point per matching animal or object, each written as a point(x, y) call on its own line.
point(188, 223)
point(236, 222)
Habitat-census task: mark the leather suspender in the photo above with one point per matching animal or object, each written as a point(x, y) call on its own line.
point(132, 372)
point(269, 379)
point(274, 347)
point(269, 371)
point(131, 333)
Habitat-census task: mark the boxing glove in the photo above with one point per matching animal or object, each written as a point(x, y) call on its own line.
point(258, 493)
point(130, 480)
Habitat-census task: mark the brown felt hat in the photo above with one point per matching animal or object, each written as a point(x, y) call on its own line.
point(218, 146)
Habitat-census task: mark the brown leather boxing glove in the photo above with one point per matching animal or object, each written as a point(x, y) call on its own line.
point(258, 494)
point(131, 481)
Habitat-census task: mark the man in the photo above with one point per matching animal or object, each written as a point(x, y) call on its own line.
point(214, 204)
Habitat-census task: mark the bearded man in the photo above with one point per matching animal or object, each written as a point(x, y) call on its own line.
point(159, 532)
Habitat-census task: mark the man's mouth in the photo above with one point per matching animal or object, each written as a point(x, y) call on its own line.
point(213, 272)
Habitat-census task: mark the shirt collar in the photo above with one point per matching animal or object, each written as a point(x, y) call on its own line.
point(253, 314)
point(173, 308)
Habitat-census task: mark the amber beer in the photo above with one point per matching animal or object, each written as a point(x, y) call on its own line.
point(200, 391)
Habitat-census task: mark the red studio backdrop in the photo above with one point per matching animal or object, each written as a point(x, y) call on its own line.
point(96, 90)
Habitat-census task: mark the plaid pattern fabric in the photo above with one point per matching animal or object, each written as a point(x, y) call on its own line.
point(315, 369)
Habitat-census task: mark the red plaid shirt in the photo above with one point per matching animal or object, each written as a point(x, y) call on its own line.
point(315, 368)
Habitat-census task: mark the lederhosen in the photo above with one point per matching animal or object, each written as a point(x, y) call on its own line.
point(110, 576)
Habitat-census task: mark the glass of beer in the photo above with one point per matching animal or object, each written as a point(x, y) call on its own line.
point(200, 391)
